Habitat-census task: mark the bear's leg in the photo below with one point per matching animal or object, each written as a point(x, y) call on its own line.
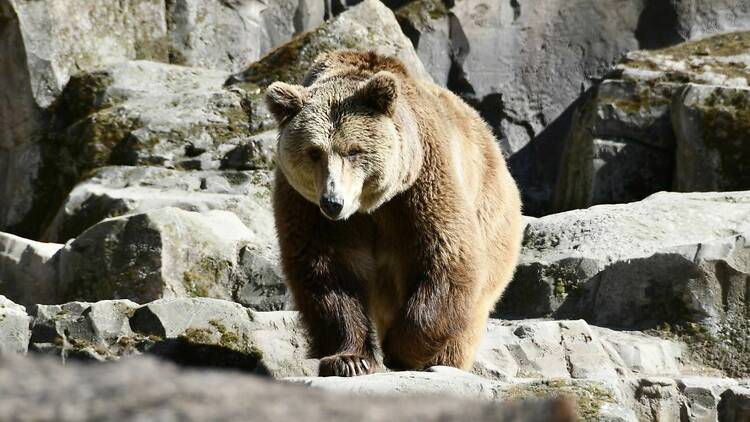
point(444, 278)
point(325, 266)
point(436, 325)
point(460, 351)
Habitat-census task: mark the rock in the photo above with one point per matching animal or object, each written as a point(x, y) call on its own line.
point(149, 389)
point(671, 119)
point(573, 349)
point(676, 258)
point(142, 113)
point(14, 327)
point(80, 330)
point(702, 397)
point(529, 106)
point(613, 375)
point(194, 332)
point(367, 26)
point(228, 35)
point(257, 152)
point(427, 24)
point(440, 381)
point(28, 270)
point(117, 190)
point(621, 146)
point(46, 44)
point(712, 126)
point(165, 253)
point(276, 343)
point(735, 405)
point(656, 399)
point(42, 45)
point(145, 113)
point(219, 333)
point(636, 354)
point(595, 399)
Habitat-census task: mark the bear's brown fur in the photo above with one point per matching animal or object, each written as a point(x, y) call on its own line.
point(422, 224)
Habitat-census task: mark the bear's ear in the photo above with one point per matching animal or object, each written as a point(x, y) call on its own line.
point(381, 92)
point(285, 100)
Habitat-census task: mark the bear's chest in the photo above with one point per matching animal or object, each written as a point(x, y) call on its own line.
point(394, 255)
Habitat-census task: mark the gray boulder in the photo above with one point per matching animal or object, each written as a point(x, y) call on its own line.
point(735, 405)
point(712, 126)
point(369, 25)
point(621, 146)
point(28, 270)
point(138, 113)
point(427, 24)
point(80, 330)
point(14, 327)
point(45, 44)
point(194, 332)
point(574, 350)
point(205, 331)
point(613, 375)
point(146, 113)
point(675, 258)
point(523, 66)
point(42, 45)
point(671, 119)
point(702, 396)
point(118, 190)
point(228, 35)
point(165, 253)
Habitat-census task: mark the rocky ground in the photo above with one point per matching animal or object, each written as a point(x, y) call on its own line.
point(136, 156)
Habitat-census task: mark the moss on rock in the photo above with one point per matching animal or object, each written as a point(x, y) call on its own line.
point(421, 12)
point(590, 397)
point(726, 121)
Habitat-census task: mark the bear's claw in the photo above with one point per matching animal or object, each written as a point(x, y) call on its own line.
point(346, 365)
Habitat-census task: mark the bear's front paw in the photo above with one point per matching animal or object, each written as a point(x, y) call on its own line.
point(346, 365)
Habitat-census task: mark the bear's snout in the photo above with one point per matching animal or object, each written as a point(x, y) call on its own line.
point(331, 206)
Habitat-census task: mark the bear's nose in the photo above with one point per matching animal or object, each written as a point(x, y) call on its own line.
point(331, 207)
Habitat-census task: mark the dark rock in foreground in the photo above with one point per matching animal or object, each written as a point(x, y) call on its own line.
point(146, 389)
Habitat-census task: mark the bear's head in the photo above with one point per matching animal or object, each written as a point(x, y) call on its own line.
point(346, 143)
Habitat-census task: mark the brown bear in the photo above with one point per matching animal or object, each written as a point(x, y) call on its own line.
point(396, 215)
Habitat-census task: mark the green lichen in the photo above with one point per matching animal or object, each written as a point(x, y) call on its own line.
point(198, 336)
point(200, 278)
point(291, 61)
point(82, 345)
point(726, 349)
point(228, 339)
point(422, 12)
point(724, 45)
point(645, 98)
point(565, 279)
point(589, 397)
point(726, 121)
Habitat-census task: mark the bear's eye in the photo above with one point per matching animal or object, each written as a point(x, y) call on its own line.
point(314, 154)
point(355, 151)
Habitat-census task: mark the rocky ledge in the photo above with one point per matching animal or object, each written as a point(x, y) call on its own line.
point(673, 267)
point(611, 375)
